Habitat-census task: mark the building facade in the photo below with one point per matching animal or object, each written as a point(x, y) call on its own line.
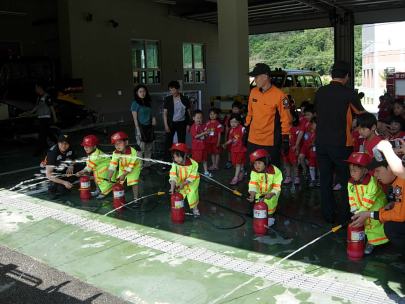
point(383, 51)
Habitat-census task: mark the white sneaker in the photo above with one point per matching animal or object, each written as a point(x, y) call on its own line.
point(271, 221)
point(208, 174)
point(96, 193)
point(101, 196)
point(196, 212)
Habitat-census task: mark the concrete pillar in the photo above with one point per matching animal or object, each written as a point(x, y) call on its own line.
point(343, 23)
point(64, 38)
point(233, 35)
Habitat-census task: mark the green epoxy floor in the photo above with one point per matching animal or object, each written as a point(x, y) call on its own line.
point(145, 275)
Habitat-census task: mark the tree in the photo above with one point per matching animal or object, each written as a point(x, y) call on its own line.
point(302, 49)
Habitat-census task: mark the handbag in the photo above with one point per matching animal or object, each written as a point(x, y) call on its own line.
point(147, 133)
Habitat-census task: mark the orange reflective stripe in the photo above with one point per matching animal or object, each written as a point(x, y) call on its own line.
point(132, 164)
point(195, 203)
point(277, 185)
point(377, 240)
point(193, 176)
point(113, 163)
point(272, 209)
point(93, 163)
point(368, 201)
point(181, 174)
point(253, 183)
point(132, 181)
point(173, 173)
point(108, 190)
point(352, 205)
point(351, 198)
point(103, 170)
point(358, 196)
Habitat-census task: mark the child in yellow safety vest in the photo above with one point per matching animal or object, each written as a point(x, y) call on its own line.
point(125, 157)
point(98, 163)
point(265, 179)
point(184, 176)
point(366, 194)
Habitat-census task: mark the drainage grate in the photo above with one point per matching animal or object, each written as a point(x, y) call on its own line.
point(267, 272)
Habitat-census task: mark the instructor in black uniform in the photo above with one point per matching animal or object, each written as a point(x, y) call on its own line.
point(334, 104)
point(44, 110)
point(58, 166)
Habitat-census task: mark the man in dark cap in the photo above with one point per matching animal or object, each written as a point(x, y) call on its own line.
point(389, 169)
point(44, 110)
point(60, 160)
point(334, 104)
point(268, 116)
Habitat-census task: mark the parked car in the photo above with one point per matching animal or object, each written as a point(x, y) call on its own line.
point(299, 85)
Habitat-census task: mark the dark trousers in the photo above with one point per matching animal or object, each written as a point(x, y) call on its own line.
point(44, 127)
point(274, 152)
point(54, 187)
point(395, 232)
point(180, 128)
point(329, 158)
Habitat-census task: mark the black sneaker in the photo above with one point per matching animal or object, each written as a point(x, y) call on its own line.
point(136, 203)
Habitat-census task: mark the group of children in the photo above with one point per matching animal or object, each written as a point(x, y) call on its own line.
point(206, 139)
point(302, 146)
point(365, 192)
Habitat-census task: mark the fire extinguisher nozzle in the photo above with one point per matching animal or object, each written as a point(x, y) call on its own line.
point(334, 229)
point(160, 193)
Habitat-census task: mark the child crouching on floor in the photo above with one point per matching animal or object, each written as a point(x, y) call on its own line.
point(365, 194)
point(129, 166)
point(265, 179)
point(184, 176)
point(98, 163)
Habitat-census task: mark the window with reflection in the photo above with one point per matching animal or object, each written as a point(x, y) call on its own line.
point(193, 63)
point(146, 62)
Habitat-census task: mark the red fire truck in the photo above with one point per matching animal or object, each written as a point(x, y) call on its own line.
point(396, 84)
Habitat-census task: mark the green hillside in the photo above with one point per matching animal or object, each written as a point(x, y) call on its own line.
point(300, 49)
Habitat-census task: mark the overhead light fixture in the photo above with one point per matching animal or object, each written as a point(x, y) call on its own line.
point(12, 13)
point(165, 2)
point(115, 24)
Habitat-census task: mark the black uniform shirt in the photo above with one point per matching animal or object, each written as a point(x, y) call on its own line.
point(334, 104)
point(60, 160)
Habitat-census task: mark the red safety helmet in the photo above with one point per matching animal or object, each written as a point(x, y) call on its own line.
point(259, 154)
point(89, 140)
point(359, 158)
point(117, 136)
point(180, 147)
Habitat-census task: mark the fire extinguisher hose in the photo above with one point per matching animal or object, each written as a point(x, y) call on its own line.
point(334, 229)
point(228, 209)
point(238, 194)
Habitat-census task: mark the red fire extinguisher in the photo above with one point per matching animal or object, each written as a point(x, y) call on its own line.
point(119, 197)
point(85, 193)
point(178, 213)
point(260, 221)
point(355, 243)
